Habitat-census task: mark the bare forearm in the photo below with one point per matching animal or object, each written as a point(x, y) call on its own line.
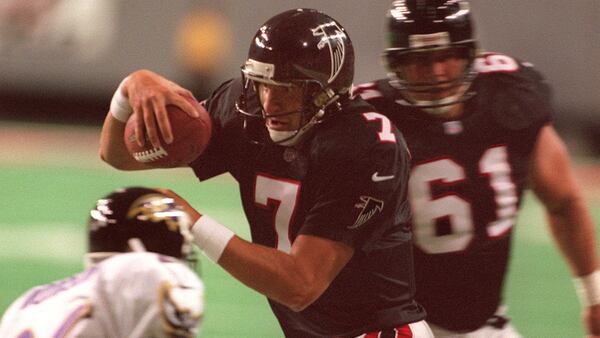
point(295, 279)
point(554, 183)
point(112, 146)
point(573, 230)
point(272, 273)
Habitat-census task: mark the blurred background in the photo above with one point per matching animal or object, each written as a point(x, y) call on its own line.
point(61, 60)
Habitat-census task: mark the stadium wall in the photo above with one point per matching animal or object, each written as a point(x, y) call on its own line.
point(64, 64)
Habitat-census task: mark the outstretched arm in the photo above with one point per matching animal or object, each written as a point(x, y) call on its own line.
point(145, 94)
point(295, 279)
point(569, 218)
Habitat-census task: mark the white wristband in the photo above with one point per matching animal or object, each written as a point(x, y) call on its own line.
point(588, 288)
point(119, 105)
point(211, 236)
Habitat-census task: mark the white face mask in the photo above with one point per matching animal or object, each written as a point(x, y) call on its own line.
point(439, 107)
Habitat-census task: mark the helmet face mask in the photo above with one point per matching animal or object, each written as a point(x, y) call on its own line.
point(302, 48)
point(432, 79)
point(293, 109)
point(139, 219)
point(424, 36)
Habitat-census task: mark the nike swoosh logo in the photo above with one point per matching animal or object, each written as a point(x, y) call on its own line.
point(377, 178)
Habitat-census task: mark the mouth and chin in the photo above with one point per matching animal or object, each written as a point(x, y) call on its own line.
point(282, 131)
point(434, 92)
point(277, 124)
point(281, 121)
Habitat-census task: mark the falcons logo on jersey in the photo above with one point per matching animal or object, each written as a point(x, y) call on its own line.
point(369, 207)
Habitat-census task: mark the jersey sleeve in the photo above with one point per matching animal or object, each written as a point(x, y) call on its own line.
point(151, 295)
point(361, 188)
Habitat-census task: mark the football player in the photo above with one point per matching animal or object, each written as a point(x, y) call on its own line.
point(137, 282)
point(479, 128)
point(322, 178)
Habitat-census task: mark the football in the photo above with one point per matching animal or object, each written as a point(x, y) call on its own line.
point(190, 138)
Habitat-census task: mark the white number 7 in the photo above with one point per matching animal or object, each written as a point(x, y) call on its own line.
point(284, 194)
point(386, 134)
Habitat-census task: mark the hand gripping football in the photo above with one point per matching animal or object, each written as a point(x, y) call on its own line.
point(190, 138)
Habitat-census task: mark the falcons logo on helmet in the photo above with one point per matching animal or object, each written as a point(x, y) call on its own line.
point(332, 37)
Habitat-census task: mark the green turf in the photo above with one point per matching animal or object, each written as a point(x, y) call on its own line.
point(42, 239)
point(43, 236)
point(539, 290)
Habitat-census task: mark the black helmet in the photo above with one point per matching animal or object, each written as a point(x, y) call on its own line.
point(428, 25)
point(138, 216)
point(302, 47)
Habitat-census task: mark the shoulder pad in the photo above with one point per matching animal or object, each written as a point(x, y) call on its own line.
point(512, 92)
point(221, 103)
point(142, 280)
point(182, 308)
point(378, 93)
point(354, 134)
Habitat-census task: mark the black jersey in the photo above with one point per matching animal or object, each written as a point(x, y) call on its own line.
point(346, 182)
point(466, 184)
